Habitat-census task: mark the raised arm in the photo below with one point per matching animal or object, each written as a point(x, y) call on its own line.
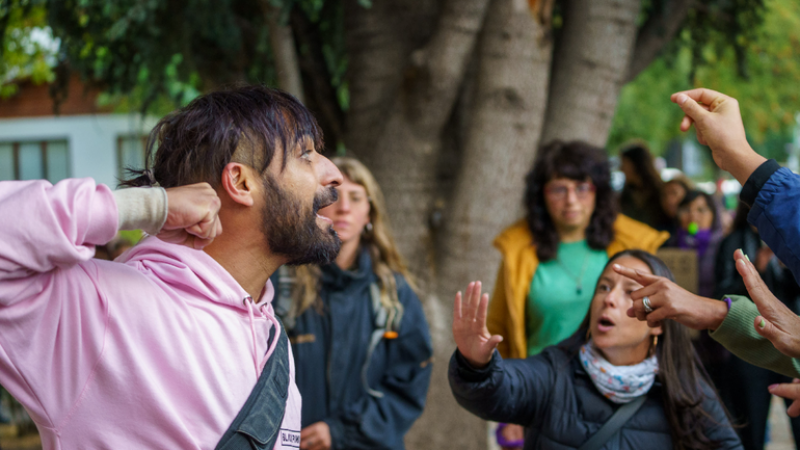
point(46, 226)
point(763, 332)
point(718, 123)
point(53, 311)
point(49, 226)
point(511, 391)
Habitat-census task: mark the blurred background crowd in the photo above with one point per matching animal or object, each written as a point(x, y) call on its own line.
point(446, 103)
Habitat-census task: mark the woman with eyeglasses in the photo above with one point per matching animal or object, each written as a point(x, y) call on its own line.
point(552, 259)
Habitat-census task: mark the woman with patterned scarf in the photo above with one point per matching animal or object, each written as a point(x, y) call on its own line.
point(615, 384)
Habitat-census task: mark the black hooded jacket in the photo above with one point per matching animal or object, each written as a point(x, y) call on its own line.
point(330, 348)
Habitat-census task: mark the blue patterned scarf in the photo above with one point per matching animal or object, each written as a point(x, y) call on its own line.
point(620, 384)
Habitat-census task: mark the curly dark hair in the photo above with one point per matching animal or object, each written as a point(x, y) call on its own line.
point(577, 161)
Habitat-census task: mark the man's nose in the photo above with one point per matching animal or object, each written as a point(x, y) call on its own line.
point(329, 173)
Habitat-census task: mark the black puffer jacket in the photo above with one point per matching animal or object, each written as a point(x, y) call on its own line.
point(555, 399)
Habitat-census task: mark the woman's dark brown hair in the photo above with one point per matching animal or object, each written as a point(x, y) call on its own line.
point(680, 371)
point(641, 158)
point(710, 203)
point(577, 161)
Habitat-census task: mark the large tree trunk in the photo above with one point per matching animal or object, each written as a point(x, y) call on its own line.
point(507, 104)
point(395, 126)
point(508, 113)
point(380, 40)
point(590, 65)
point(281, 41)
point(407, 144)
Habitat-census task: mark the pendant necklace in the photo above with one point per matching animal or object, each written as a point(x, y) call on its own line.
point(579, 278)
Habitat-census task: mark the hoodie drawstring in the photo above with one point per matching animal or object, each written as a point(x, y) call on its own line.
point(249, 302)
point(274, 344)
point(260, 366)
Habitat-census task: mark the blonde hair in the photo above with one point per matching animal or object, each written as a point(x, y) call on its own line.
point(386, 259)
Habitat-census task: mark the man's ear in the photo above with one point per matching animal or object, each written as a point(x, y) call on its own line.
point(238, 181)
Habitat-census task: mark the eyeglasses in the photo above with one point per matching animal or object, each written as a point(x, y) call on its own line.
point(560, 192)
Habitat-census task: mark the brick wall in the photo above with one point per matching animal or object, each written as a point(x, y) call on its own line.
point(34, 101)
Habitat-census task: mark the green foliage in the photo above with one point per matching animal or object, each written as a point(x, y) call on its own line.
point(768, 94)
point(157, 54)
point(27, 50)
point(142, 50)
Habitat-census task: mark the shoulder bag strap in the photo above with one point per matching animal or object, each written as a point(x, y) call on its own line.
point(620, 417)
point(258, 423)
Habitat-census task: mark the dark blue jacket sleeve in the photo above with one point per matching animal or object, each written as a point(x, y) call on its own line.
point(510, 391)
point(776, 213)
point(380, 423)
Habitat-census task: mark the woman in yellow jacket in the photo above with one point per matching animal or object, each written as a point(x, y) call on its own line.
point(553, 258)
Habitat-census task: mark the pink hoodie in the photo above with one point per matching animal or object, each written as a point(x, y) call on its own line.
point(157, 350)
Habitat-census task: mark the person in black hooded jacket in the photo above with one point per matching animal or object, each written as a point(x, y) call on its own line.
point(564, 395)
point(360, 340)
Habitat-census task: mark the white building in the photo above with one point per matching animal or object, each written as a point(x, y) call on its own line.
point(82, 141)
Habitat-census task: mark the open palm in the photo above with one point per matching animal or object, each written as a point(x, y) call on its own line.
point(472, 337)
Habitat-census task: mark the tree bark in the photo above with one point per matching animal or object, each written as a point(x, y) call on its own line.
point(507, 106)
point(659, 29)
point(283, 49)
point(379, 42)
point(321, 96)
point(408, 143)
point(590, 65)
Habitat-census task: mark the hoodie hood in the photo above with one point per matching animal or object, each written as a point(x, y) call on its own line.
point(191, 271)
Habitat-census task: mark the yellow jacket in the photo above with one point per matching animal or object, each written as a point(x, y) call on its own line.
point(507, 308)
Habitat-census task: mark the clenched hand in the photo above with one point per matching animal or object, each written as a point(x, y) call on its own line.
point(192, 218)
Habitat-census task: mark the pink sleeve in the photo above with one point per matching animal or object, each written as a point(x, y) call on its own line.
point(46, 226)
point(53, 316)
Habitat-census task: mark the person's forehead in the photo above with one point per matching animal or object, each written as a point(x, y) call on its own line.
point(564, 180)
point(349, 185)
point(629, 262)
point(699, 202)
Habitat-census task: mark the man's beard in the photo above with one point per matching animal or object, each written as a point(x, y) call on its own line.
point(291, 229)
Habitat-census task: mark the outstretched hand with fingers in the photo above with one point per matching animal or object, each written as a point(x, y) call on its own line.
point(718, 123)
point(789, 391)
point(472, 336)
point(192, 218)
point(670, 301)
point(777, 322)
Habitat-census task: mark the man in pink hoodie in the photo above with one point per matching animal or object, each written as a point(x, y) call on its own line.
point(162, 348)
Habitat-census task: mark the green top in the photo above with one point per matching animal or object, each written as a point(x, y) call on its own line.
point(738, 334)
point(560, 295)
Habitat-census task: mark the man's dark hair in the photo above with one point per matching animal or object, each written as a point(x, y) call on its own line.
point(243, 124)
point(577, 161)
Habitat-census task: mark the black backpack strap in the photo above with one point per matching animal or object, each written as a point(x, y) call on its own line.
point(258, 424)
point(620, 418)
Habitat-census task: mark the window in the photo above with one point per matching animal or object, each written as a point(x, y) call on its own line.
point(131, 154)
point(34, 160)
